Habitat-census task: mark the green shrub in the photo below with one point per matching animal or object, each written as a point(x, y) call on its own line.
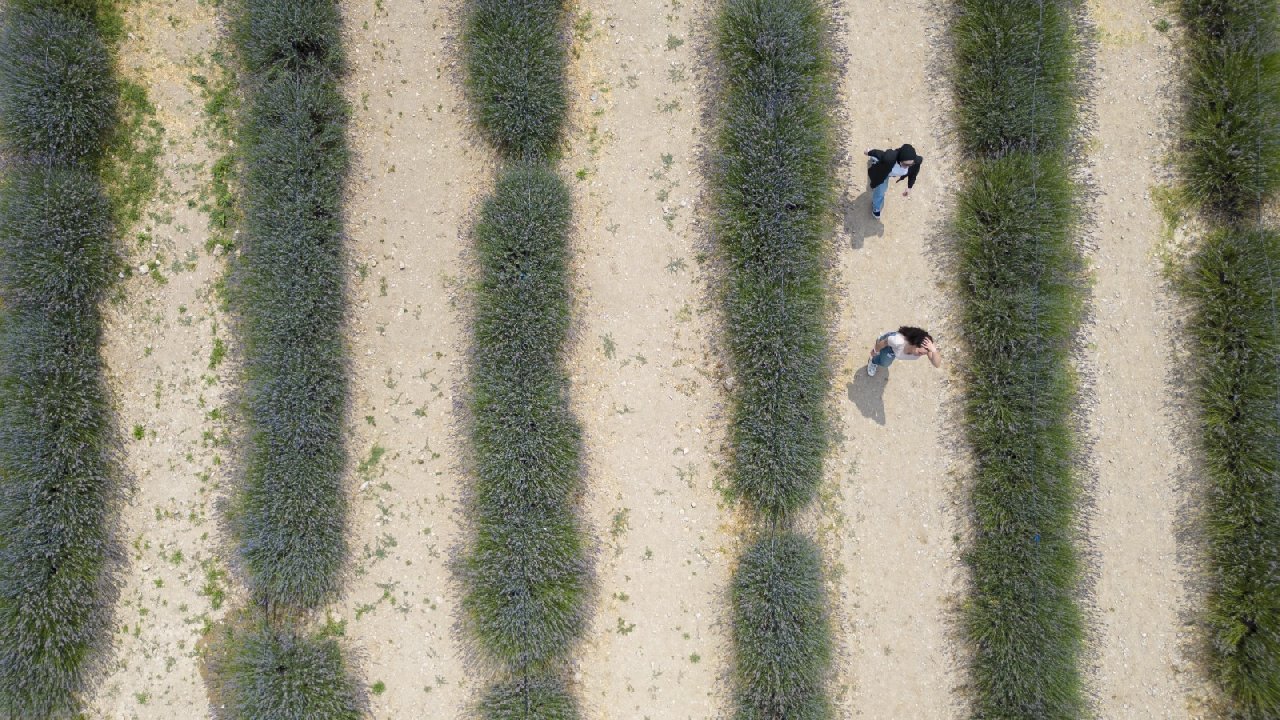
point(58, 480)
point(530, 698)
point(515, 53)
point(526, 570)
point(1021, 282)
point(1236, 342)
point(291, 514)
point(292, 36)
point(1230, 164)
point(1014, 75)
point(781, 632)
point(1231, 120)
point(1021, 297)
point(57, 89)
point(283, 674)
point(774, 187)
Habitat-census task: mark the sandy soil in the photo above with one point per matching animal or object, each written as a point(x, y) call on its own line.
point(169, 395)
point(646, 383)
point(1140, 587)
point(899, 562)
point(643, 378)
point(416, 176)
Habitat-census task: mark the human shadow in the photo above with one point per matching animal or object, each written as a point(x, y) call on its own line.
point(859, 223)
point(868, 393)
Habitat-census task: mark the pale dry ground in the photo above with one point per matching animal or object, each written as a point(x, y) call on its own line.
point(415, 178)
point(643, 378)
point(898, 569)
point(1142, 672)
point(159, 345)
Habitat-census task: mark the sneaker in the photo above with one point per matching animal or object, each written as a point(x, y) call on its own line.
point(875, 213)
point(871, 368)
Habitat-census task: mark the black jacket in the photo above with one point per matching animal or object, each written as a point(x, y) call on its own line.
point(880, 170)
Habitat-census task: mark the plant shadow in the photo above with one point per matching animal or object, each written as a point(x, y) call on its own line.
point(868, 393)
point(858, 222)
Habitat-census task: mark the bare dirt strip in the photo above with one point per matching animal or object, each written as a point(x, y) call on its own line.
point(1142, 672)
point(897, 558)
point(169, 387)
point(644, 380)
point(417, 174)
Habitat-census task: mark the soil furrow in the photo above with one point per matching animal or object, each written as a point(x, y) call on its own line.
point(898, 568)
point(165, 346)
point(417, 172)
point(645, 384)
point(1140, 587)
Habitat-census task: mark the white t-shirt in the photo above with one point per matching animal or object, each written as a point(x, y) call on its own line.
point(898, 343)
point(898, 171)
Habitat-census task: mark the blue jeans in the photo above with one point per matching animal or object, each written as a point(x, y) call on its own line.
point(885, 357)
point(877, 195)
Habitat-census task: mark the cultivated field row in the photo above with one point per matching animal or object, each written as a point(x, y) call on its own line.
point(570, 238)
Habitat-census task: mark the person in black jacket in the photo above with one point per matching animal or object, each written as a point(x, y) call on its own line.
point(885, 164)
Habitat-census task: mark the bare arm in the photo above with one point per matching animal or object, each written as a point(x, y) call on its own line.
point(935, 355)
point(880, 345)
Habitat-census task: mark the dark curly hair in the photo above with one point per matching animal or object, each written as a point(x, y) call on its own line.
point(914, 335)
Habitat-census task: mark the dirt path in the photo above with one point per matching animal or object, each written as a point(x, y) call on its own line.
point(641, 369)
point(414, 182)
point(898, 566)
point(1142, 673)
point(169, 386)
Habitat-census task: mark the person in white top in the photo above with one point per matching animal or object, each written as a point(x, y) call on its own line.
point(906, 343)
